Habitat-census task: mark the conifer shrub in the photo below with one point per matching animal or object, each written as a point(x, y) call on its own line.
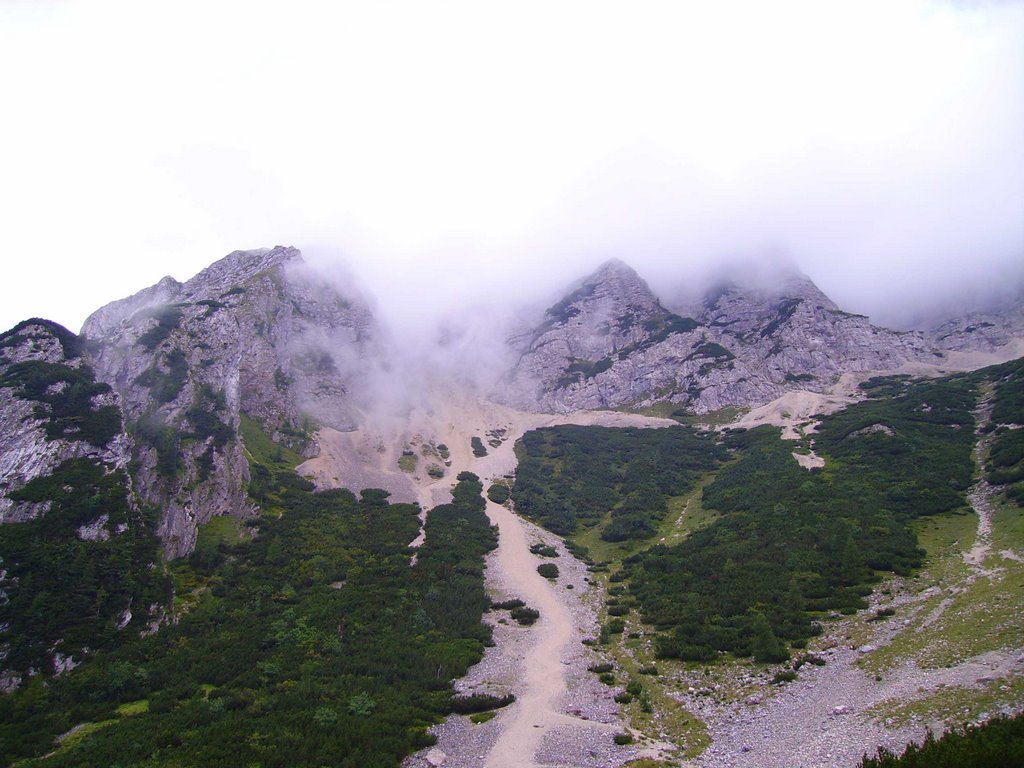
point(525, 615)
point(548, 570)
point(479, 702)
point(507, 605)
point(498, 493)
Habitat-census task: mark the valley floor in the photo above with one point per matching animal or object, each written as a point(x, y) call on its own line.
point(884, 683)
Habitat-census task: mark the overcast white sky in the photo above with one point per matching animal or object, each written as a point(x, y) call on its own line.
point(453, 151)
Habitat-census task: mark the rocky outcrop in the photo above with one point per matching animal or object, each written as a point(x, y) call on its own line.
point(253, 335)
point(986, 331)
point(51, 410)
point(611, 343)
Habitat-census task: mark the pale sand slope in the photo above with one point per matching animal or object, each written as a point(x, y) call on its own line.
point(562, 716)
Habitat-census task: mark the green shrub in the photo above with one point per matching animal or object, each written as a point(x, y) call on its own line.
point(784, 676)
point(525, 615)
point(168, 318)
point(999, 742)
point(479, 702)
point(498, 493)
point(508, 605)
point(623, 739)
point(63, 399)
point(543, 550)
point(478, 447)
point(548, 570)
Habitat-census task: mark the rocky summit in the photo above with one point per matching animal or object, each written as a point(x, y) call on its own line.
point(254, 336)
point(610, 343)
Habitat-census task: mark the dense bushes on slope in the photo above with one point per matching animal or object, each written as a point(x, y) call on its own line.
point(999, 742)
point(65, 592)
point(789, 543)
point(315, 643)
point(571, 476)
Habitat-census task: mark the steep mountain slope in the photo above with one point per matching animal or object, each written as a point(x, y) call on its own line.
point(52, 410)
point(252, 335)
point(77, 553)
point(611, 343)
point(983, 331)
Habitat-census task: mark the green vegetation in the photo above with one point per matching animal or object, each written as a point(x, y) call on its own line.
point(261, 450)
point(479, 450)
point(204, 416)
point(168, 318)
point(769, 545)
point(150, 430)
point(66, 593)
point(543, 550)
point(408, 460)
point(525, 615)
point(313, 643)
point(165, 385)
point(571, 477)
point(791, 542)
point(658, 329)
point(1006, 460)
point(999, 742)
point(479, 702)
point(712, 350)
point(548, 570)
point(784, 310)
point(24, 331)
point(563, 311)
point(63, 398)
point(498, 493)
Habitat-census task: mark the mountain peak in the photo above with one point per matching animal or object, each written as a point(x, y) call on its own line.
point(239, 266)
point(613, 267)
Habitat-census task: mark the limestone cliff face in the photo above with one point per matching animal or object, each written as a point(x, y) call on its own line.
point(611, 343)
point(986, 331)
point(254, 334)
point(51, 410)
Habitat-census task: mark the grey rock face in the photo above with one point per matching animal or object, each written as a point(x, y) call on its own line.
point(611, 343)
point(26, 450)
point(982, 331)
point(253, 334)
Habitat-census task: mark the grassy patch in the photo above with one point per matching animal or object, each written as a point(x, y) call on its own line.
point(220, 531)
point(955, 704)
point(264, 450)
point(130, 708)
point(968, 613)
point(653, 711)
point(687, 514)
point(407, 461)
